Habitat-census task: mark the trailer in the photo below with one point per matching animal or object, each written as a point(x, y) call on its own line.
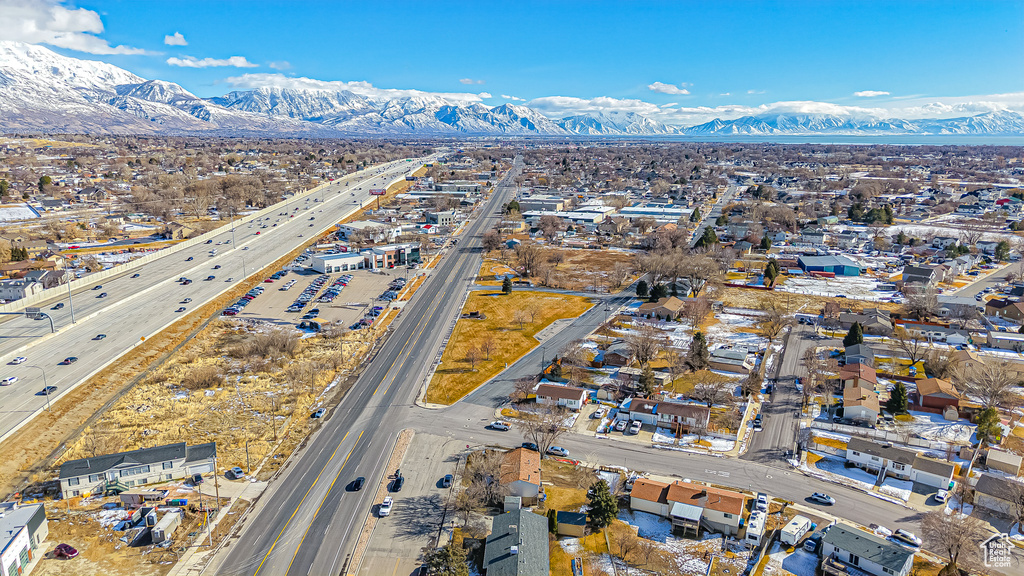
point(166, 526)
point(795, 530)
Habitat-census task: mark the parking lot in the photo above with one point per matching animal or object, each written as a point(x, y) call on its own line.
point(399, 539)
point(355, 299)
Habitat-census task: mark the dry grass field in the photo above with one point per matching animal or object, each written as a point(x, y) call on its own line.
point(504, 334)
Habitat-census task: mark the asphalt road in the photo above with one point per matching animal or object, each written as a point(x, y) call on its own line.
point(993, 280)
point(137, 308)
point(711, 216)
point(307, 523)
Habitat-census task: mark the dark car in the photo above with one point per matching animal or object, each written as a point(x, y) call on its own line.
point(196, 479)
point(64, 551)
point(189, 259)
point(136, 275)
point(100, 337)
point(446, 482)
point(70, 360)
point(97, 287)
point(102, 295)
point(531, 446)
point(48, 390)
point(396, 486)
point(182, 309)
point(217, 267)
point(57, 306)
point(357, 484)
point(208, 278)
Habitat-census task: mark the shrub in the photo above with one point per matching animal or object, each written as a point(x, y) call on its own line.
point(202, 377)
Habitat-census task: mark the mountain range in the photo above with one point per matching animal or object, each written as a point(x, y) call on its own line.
point(44, 92)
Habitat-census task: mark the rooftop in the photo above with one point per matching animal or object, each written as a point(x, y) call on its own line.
point(869, 547)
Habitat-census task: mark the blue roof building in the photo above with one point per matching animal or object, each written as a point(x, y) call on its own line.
point(838, 265)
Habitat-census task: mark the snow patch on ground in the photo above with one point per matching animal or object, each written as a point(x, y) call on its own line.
point(663, 436)
point(899, 488)
point(800, 563)
point(935, 427)
point(835, 467)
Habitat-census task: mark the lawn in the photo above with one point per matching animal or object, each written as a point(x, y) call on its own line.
point(685, 383)
point(508, 337)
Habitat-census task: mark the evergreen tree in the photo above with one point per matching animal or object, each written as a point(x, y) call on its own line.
point(766, 242)
point(658, 291)
point(512, 206)
point(695, 215)
point(642, 289)
point(647, 381)
point(44, 181)
point(707, 239)
point(1003, 251)
point(988, 426)
point(721, 220)
point(553, 521)
point(602, 506)
point(675, 290)
point(854, 336)
point(897, 403)
point(506, 285)
point(902, 239)
point(449, 560)
point(698, 356)
point(4, 186)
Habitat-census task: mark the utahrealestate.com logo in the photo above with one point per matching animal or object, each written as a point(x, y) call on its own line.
point(996, 551)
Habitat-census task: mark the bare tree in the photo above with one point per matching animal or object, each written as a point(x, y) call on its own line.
point(912, 344)
point(940, 365)
point(556, 257)
point(472, 356)
point(520, 317)
point(772, 322)
point(1015, 496)
point(574, 359)
point(696, 310)
point(712, 392)
point(550, 226)
point(956, 537)
point(990, 383)
point(543, 425)
point(527, 257)
point(921, 302)
point(699, 270)
point(645, 343)
point(676, 359)
point(491, 241)
point(523, 387)
point(618, 274)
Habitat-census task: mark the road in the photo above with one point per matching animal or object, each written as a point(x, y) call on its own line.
point(713, 214)
point(139, 307)
point(993, 280)
point(307, 523)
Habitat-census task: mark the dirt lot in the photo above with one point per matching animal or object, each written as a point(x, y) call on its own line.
point(565, 268)
point(353, 302)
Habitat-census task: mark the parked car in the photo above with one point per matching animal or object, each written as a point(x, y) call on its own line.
point(446, 482)
point(907, 537)
point(236, 473)
point(941, 495)
point(621, 425)
point(64, 551)
point(196, 479)
point(558, 451)
point(762, 502)
point(385, 507)
point(500, 425)
point(634, 428)
point(822, 498)
point(530, 446)
point(396, 486)
point(599, 413)
point(319, 413)
point(811, 544)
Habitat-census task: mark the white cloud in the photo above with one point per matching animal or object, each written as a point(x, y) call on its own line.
point(282, 65)
point(669, 105)
point(668, 88)
point(362, 88)
point(191, 62)
point(513, 98)
point(50, 22)
point(470, 81)
point(726, 94)
point(176, 40)
point(485, 95)
point(752, 91)
point(870, 93)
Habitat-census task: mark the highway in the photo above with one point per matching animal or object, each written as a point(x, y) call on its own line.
point(134, 308)
point(307, 522)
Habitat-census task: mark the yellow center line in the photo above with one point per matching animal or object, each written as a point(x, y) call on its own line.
point(290, 518)
point(416, 338)
point(322, 502)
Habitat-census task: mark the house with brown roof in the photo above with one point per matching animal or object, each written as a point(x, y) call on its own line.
point(649, 496)
point(690, 505)
point(668, 308)
point(681, 417)
point(858, 375)
point(178, 231)
point(1003, 308)
point(860, 404)
point(937, 393)
point(570, 397)
point(520, 471)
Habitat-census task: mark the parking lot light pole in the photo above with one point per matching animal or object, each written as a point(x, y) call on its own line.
point(46, 389)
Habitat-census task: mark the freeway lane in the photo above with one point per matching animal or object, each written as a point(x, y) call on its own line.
point(307, 523)
point(140, 307)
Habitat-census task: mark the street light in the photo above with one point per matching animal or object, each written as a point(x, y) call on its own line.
point(46, 389)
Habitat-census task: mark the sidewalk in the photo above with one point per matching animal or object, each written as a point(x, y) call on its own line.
point(193, 561)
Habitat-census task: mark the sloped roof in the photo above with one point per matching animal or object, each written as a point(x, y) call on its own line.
point(100, 464)
point(932, 386)
point(706, 497)
point(865, 446)
point(933, 466)
point(650, 490)
point(858, 370)
point(521, 464)
point(868, 546)
point(529, 533)
point(560, 392)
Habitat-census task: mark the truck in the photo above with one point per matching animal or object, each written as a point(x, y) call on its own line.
point(795, 530)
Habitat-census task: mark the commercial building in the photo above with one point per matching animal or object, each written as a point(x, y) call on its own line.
point(119, 472)
point(391, 255)
point(838, 265)
point(370, 230)
point(446, 218)
point(23, 529)
point(343, 262)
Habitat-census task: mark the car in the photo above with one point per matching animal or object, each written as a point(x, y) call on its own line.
point(822, 498)
point(941, 495)
point(621, 425)
point(599, 413)
point(319, 413)
point(396, 486)
point(69, 360)
point(209, 241)
point(447, 481)
point(357, 484)
point(136, 275)
point(97, 287)
point(229, 280)
point(208, 278)
point(906, 537)
point(186, 300)
point(102, 295)
point(64, 551)
point(634, 427)
point(189, 259)
point(257, 233)
point(385, 507)
point(181, 309)
point(762, 502)
point(100, 337)
point(8, 381)
point(811, 544)
point(558, 451)
point(196, 479)
point(500, 425)
point(236, 473)
point(530, 446)
point(19, 360)
point(758, 423)
point(47, 390)
point(57, 306)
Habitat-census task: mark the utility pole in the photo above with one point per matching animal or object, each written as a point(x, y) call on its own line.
point(71, 303)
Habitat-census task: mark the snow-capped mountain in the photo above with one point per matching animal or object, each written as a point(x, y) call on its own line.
point(41, 91)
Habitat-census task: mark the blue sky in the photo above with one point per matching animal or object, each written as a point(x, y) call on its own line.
point(680, 62)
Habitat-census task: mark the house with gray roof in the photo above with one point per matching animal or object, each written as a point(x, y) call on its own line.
point(845, 545)
point(860, 353)
point(116, 473)
point(517, 545)
point(994, 493)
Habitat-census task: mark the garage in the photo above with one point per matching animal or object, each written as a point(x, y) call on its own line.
point(200, 468)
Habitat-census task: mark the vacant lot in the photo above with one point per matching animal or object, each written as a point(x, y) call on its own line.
point(480, 348)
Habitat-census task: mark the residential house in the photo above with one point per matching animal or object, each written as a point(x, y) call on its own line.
point(1003, 461)
point(120, 471)
point(872, 321)
point(18, 289)
point(876, 457)
point(729, 361)
point(932, 472)
point(957, 306)
point(618, 354)
point(993, 493)
point(1006, 341)
point(937, 332)
point(1006, 309)
point(520, 471)
point(844, 545)
point(640, 409)
point(936, 393)
point(680, 417)
point(23, 531)
point(667, 308)
point(813, 237)
point(517, 545)
point(860, 354)
point(858, 375)
point(943, 242)
point(633, 376)
point(925, 275)
point(690, 505)
point(649, 496)
point(33, 247)
point(861, 405)
point(987, 246)
point(48, 278)
point(558, 395)
point(179, 231)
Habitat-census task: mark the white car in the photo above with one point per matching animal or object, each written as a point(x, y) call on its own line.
point(941, 495)
point(621, 425)
point(8, 381)
point(500, 425)
point(19, 360)
point(634, 428)
point(598, 414)
point(385, 507)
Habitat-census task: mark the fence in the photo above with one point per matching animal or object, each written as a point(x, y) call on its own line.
point(884, 435)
